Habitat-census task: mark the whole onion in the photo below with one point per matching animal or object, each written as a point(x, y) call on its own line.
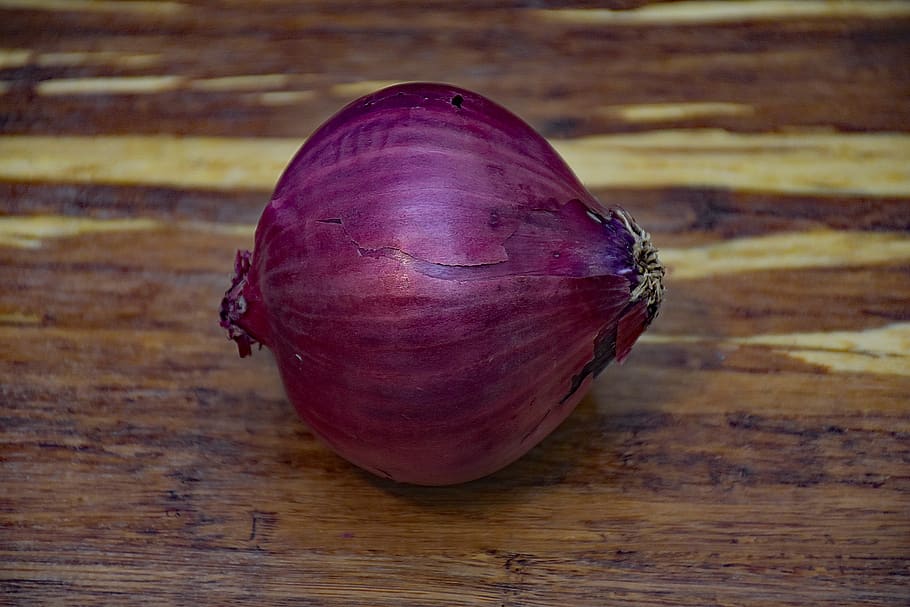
point(437, 287)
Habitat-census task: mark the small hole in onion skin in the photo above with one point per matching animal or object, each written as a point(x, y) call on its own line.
point(457, 100)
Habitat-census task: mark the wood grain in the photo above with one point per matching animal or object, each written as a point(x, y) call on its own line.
point(753, 450)
point(819, 163)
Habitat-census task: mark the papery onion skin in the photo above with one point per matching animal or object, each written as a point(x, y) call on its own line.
point(437, 286)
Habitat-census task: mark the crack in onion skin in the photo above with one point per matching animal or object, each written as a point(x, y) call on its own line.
point(438, 288)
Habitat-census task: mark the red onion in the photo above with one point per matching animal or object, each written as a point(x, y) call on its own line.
point(437, 287)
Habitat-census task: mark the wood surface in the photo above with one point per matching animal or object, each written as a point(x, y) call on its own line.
point(753, 450)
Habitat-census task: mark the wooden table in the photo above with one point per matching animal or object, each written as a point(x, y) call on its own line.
point(753, 450)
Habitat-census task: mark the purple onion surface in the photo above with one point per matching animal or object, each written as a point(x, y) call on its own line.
point(437, 287)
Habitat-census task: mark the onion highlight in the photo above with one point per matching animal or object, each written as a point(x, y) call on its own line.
point(438, 288)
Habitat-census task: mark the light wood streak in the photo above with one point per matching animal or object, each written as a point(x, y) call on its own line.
point(659, 112)
point(242, 230)
point(793, 162)
point(279, 98)
point(31, 232)
point(252, 82)
point(69, 59)
point(364, 87)
point(113, 85)
point(809, 163)
point(884, 350)
point(692, 12)
point(204, 162)
point(120, 85)
point(96, 6)
point(881, 350)
point(14, 57)
point(792, 250)
point(18, 318)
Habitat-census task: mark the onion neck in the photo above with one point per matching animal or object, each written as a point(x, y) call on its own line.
point(649, 270)
point(242, 311)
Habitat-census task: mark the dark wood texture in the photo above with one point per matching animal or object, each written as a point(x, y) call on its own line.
point(753, 450)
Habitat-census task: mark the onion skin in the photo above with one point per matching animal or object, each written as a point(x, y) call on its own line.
point(437, 286)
